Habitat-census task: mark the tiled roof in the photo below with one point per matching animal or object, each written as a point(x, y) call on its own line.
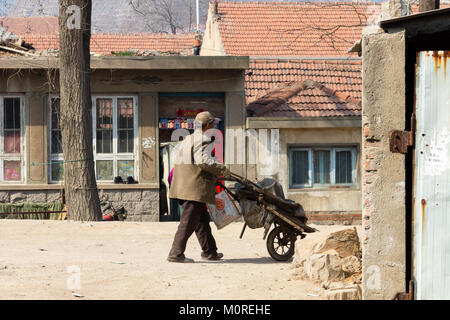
point(265, 74)
point(304, 29)
point(104, 44)
point(304, 99)
point(42, 25)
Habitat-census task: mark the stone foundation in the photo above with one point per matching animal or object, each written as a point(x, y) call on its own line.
point(334, 218)
point(140, 205)
point(41, 196)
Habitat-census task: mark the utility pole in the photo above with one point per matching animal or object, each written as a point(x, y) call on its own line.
point(197, 9)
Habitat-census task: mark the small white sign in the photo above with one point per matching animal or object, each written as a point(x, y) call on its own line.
point(148, 143)
point(436, 154)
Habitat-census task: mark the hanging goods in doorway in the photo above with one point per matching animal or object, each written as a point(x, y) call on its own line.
point(188, 113)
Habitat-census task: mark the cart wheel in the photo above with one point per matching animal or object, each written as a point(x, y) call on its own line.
point(280, 244)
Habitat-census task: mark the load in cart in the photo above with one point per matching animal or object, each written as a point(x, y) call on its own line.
point(262, 204)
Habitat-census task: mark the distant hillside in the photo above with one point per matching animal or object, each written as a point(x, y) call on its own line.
point(118, 16)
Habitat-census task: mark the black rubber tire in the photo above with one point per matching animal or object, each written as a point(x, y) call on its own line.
point(287, 248)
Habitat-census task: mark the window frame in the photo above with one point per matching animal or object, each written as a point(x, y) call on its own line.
point(333, 150)
point(115, 156)
point(13, 156)
point(310, 166)
point(53, 157)
point(332, 166)
point(354, 165)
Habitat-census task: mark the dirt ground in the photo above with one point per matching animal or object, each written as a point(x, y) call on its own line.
point(40, 259)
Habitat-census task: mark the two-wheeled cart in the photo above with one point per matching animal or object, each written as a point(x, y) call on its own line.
point(263, 204)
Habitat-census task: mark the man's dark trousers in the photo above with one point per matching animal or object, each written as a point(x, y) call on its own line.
point(195, 217)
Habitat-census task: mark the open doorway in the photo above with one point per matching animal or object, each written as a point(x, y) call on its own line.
point(178, 111)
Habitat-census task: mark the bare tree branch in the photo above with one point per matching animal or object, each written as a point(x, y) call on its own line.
point(172, 16)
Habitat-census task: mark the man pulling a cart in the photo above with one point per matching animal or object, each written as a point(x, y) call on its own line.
point(193, 184)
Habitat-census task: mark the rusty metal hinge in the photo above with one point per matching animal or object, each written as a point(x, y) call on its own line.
point(399, 141)
point(406, 295)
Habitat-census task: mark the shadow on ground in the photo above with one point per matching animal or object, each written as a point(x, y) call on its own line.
point(260, 260)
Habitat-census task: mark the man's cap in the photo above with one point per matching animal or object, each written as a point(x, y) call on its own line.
point(204, 117)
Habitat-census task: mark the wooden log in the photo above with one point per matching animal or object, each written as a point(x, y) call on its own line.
point(18, 51)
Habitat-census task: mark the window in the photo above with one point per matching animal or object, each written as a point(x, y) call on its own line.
point(114, 138)
point(11, 139)
point(316, 167)
point(56, 154)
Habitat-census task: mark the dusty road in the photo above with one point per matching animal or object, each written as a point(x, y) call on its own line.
point(127, 260)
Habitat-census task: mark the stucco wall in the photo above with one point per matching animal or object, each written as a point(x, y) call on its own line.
point(141, 200)
point(212, 44)
point(319, 201)
point(383, 178)
point(327, 200)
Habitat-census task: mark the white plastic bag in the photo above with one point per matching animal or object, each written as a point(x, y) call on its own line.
point(225, 211)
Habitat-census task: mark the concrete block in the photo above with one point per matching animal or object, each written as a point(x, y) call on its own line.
point(18, 197)
point(394, 9)
point(131, 195)
point(384, 86)
point(147, 207)
point(4, 197)
point(53, 196)
point(36, 196)
point(324, 267)
point(344, 242)
point(351, 265)
point(111, 195)
point(150, 195)
point(345, 293)
point(130, 207)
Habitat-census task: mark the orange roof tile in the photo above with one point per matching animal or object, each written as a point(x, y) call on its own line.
point(304, 99)
point(305, 29)
point(104, 44)
point(42, 25)
point(341, 75)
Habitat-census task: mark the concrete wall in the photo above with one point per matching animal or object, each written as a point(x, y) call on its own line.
point(344, 200)
point(212, 44)
point(140, 200)
point(383, 177)
point(333, 202)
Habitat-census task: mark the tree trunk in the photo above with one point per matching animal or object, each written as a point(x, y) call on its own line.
point(82, 199)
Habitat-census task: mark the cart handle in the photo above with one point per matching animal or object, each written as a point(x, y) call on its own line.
point(231, 193)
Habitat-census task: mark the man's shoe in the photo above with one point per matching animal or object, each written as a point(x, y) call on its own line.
point(181, 258)
point(211, 256)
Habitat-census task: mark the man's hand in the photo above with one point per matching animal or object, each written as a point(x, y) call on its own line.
point(226, 173)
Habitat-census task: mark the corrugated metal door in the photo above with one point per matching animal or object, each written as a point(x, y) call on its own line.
point(431, 231)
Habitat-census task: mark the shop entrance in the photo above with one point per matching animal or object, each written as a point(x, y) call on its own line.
point(178, 111)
